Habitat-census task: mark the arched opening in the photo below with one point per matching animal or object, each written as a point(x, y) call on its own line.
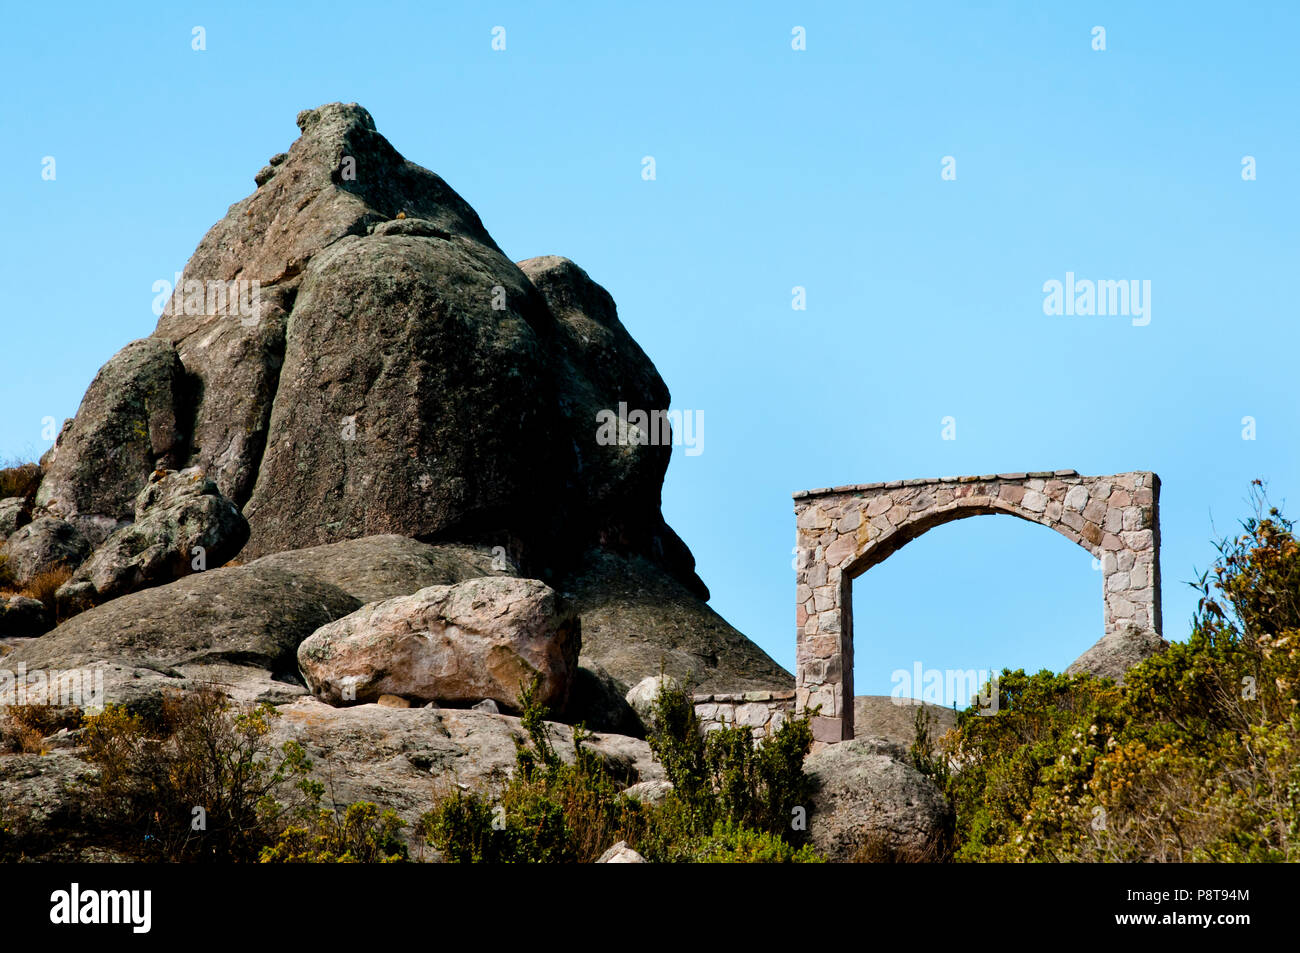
point(964, 599)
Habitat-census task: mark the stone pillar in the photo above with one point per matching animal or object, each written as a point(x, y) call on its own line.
point(823, 645)
point(1130, 559)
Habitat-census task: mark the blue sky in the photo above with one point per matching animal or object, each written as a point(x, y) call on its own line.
point(775, 168)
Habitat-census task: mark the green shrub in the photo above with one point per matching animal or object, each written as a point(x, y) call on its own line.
point(734, 844)
point(360, 834)
point(194, 778)
point(1195, 758)
point(732, 800)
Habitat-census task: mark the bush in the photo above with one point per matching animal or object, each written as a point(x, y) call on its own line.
point(547, 812)
point(732, 801)
point(360, 834)
point(194, 778)
point(735, 844)
point(1196, 758)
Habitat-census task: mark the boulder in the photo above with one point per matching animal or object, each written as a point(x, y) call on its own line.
point(620, 853)
point(1116, 652)
point(43, 813)
point(649, 792)
point(15, 511)
point(179, 518)
point(21, 617)
point(645, 693)
point(639, 620)
point(867, 800)
point(128, 422)
point(480, 639)
point(43, 545)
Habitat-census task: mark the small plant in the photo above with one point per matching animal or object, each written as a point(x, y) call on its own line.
point(735, 844)
point(359, 834)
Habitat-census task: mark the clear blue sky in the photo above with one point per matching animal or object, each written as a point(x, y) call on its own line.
point(775, 168)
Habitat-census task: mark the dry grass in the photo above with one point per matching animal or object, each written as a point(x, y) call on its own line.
point(24, 728)
point(44, 585)
point(19, 480)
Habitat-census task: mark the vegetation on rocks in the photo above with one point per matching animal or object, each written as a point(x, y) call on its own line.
point(1195, 758)
point(196, 780)
point(731, 800)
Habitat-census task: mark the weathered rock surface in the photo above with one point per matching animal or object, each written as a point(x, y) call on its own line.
point(128, 421)
point(178, 516)
point(877, 716)
point(1117, 652)
point(403, 758)
point(245, 638)
point(42, 813)
point(238, 625)
point(637, 620)
point(480, 639)
point(15, 511)
point(43, 545)
point(21, 617)
point(598, 700)
point(649, 792)
point(380, 567)
point(866, 794)
point(642, 696)
point(620, 853)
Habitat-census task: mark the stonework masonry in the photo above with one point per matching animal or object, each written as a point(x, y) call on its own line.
point(843, 531)
point(764, 712)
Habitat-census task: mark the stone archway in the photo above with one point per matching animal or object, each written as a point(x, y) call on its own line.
point(844, 531)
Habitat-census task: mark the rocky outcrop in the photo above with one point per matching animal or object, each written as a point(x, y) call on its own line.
point(881, 717)
point(227, 626)
point(868, 799)
point(380, 567)
point(481, 639)
point(1117, 652)
point(15, 511)
point(43, 545)
point(129, 422)
point(403, 757)
point(182, 525)
point(638, 621)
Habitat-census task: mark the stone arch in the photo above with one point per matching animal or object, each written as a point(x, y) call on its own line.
point(845, 530)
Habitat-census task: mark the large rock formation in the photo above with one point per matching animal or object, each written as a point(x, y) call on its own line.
point(349, 354)
point(238, 628)
point(181, 522)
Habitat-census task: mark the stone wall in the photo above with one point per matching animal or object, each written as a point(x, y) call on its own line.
point(843, 531)
point(764, 712)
